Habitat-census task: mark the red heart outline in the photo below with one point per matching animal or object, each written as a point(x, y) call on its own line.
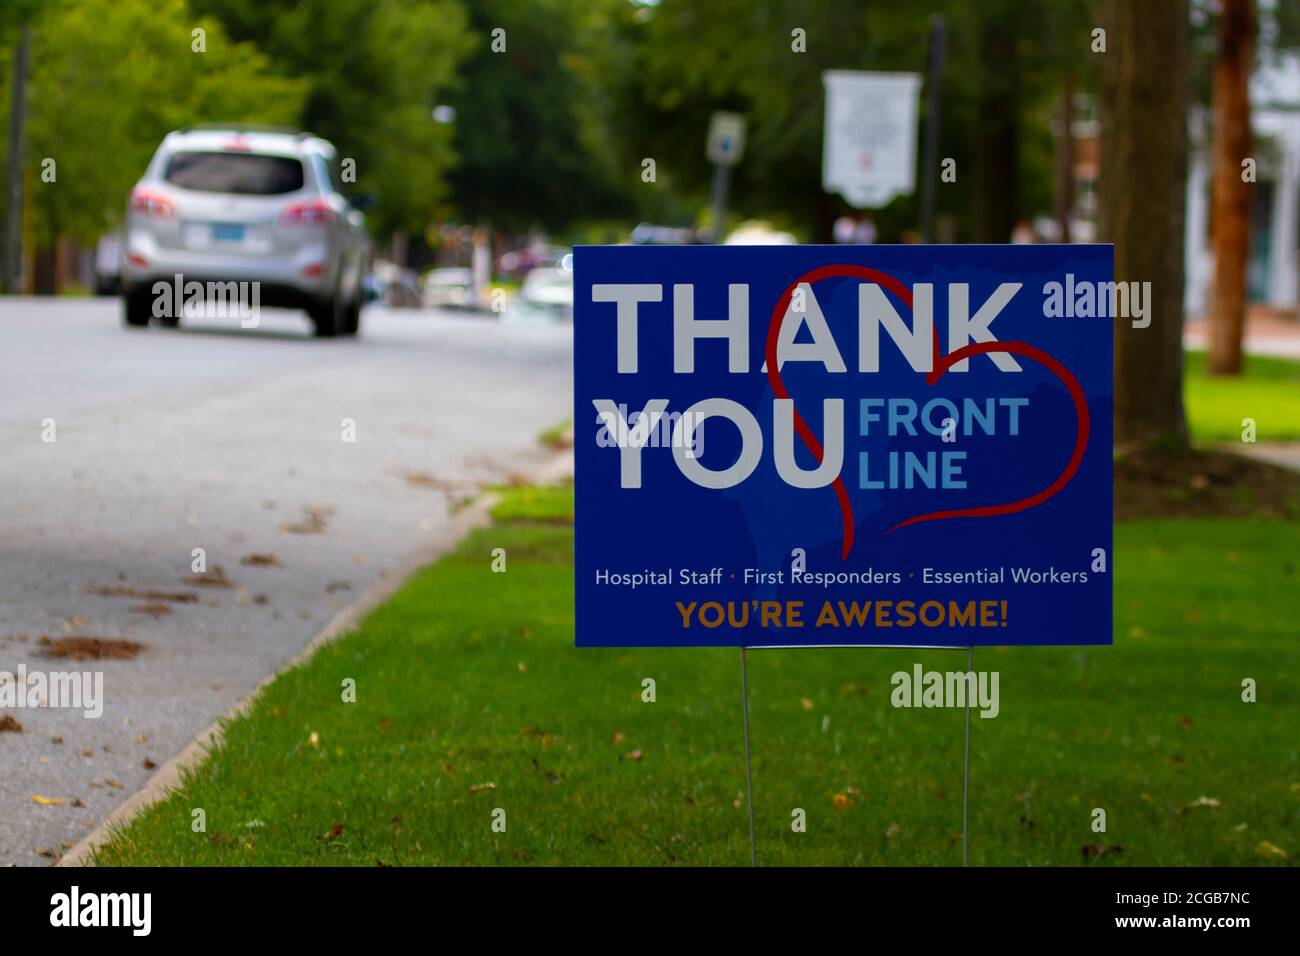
point(940, 365)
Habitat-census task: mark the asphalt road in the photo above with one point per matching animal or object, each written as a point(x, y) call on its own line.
point(214, 437)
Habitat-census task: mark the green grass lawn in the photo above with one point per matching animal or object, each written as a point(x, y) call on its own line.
point(471, 697)
point(1268, 391)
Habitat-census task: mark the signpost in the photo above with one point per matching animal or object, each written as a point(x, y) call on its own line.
point(833, 446)
point(869, 151)
point(725, 147)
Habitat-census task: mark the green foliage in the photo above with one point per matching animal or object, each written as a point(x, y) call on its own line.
point(666, 67)
point(373, 71)
point(527, 156)
point(108, 79)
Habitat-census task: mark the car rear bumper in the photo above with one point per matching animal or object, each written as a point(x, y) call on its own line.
point(306, 277)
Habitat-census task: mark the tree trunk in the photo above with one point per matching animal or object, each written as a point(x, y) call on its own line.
point(1230, 193)
point(1142, 191)
point(996, 157)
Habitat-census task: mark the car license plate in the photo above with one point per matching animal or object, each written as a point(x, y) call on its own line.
point(227, 232)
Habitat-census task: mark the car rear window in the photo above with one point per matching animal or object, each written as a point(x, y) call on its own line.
point(247, 174)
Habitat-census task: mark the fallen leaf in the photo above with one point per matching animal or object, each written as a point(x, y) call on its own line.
point(216, 578)
point(153, 610)
point(805, 703)
point(257, 560)
point(46, 801)
point(313, 522)
point(633, 755)
point(335, 832)
point(617, 738)
point(176, 597)
point(841, 801)
point(479, 787)
point(1270, 851)
point(148, 764)
point(1097, 849)
point(93, 648)
point(9, 725)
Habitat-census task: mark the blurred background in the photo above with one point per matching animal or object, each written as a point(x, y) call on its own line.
point(489, 163)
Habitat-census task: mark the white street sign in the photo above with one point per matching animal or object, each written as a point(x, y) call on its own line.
point(726, 139)
point(870, 135)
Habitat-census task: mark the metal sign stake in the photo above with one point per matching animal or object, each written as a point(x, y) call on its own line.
point(965, 783)
point(749, 770)
point(749, 767)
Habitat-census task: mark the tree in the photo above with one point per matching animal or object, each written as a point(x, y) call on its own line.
point(526, 157)
point(997, 133)
point(108, 80)
point(1230, 191)
point(666, 67)
point(373, 71)
point(1142, 193)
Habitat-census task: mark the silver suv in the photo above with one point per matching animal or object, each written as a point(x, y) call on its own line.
point(238, 207)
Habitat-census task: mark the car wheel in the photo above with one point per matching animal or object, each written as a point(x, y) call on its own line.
point(327, 318)
point(352, 317)
point(136, 309)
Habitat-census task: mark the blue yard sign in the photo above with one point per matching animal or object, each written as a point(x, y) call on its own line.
point(824, 445)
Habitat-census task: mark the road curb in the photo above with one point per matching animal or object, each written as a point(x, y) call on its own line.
point(476, 515)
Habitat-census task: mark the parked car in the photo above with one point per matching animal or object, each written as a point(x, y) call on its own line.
point(547, 293)
point(759, 234)
point(448, 288)
point(648, 234)
point(236, 204)
point(517, 264)
point(108, 265)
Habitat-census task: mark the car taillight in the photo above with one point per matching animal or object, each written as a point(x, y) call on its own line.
point(149, 203)
point(317, 212)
